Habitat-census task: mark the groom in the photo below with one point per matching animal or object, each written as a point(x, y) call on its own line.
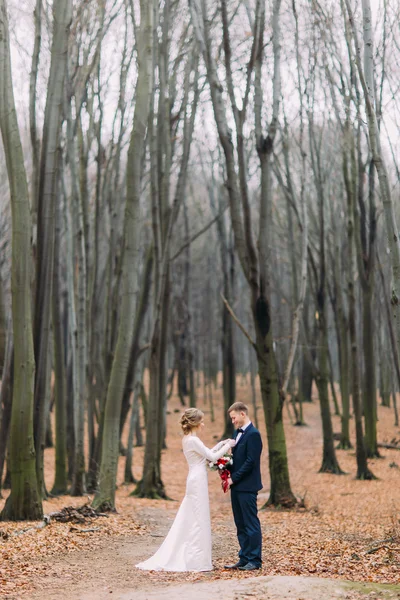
point(245, 483)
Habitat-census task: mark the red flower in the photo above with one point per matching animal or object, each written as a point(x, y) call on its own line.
point(225, 474)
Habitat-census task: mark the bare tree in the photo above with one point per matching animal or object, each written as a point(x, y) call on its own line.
point(164, 219)
point(254, 265)
point(367, 83)
point(24, 501)
point(350, 178)
point(105, 496)
point(60, 384)
point(47, 198)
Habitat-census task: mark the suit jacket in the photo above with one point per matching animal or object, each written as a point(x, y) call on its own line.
point(245, 470)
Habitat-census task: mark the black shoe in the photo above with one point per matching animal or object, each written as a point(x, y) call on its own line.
point(249, 567)
point(239, 565)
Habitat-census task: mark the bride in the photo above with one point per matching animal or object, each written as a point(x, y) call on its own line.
point(187, 546)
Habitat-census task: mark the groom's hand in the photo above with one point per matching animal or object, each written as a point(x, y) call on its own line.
point(230, 482)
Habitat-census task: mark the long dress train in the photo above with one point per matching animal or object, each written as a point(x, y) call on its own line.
point(187, 546)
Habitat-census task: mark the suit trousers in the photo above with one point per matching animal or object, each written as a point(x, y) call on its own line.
point(244, 508)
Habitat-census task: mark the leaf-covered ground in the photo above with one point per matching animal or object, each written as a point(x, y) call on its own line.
point(349, 530)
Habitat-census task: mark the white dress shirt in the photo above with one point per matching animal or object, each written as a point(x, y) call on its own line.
point(239, 435)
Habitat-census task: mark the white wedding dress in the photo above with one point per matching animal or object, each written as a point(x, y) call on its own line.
point(187, 546)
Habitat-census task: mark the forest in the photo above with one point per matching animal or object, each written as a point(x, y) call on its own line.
point(198, 204)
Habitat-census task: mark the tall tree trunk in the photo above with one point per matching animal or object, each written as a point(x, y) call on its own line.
point(272, 395)
point(329, 460)
point(128, 476)
point(343, 348)
point(24, 501)
point(151, 485)
point(396, 412)
point(227, 337)
point(280, 492)
point(363, 471)
point(332, 382)
point(189, 316)
point(6, 397)
point(307, 358)
point(134, 421)
point(344, 358)
point(163, 367)
point(60, 382)
point(70, 335)
point(272, 398)
point(366, 250)
point(370, 404)
point(299, 297)
point(392, 336)
point(105, 496)
point(79, 338)
point(140, 319)
point(47, 198)
point(367, 83)
point(253, 386)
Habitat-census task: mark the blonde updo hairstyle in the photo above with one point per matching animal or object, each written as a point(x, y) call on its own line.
point(191, 419)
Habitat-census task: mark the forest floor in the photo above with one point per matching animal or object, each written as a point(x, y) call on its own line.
point(308, 553)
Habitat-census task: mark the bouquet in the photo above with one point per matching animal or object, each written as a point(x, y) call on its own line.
point(222, 466)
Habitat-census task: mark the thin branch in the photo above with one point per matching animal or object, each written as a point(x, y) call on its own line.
point(143, 349)
point(238, 323)
point(198, 234)
point(379, 548)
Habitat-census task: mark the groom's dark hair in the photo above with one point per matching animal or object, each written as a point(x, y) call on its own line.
point(238, 407)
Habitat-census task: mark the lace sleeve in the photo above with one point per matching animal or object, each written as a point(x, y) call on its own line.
point(211, 455)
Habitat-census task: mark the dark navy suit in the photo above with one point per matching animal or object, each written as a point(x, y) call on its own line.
point(246, 478)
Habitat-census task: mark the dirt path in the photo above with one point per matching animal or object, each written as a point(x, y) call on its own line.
point(262, 588)
point(308, 553)
point(109, 572)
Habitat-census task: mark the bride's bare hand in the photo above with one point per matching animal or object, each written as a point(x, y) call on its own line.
point(232, 443)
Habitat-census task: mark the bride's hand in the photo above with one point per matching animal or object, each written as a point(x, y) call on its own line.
point(232, 442)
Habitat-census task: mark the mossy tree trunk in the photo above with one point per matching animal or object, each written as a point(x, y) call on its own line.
point(271, 392)
point(24, 501)
point(280, 491)
point(6, 396)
